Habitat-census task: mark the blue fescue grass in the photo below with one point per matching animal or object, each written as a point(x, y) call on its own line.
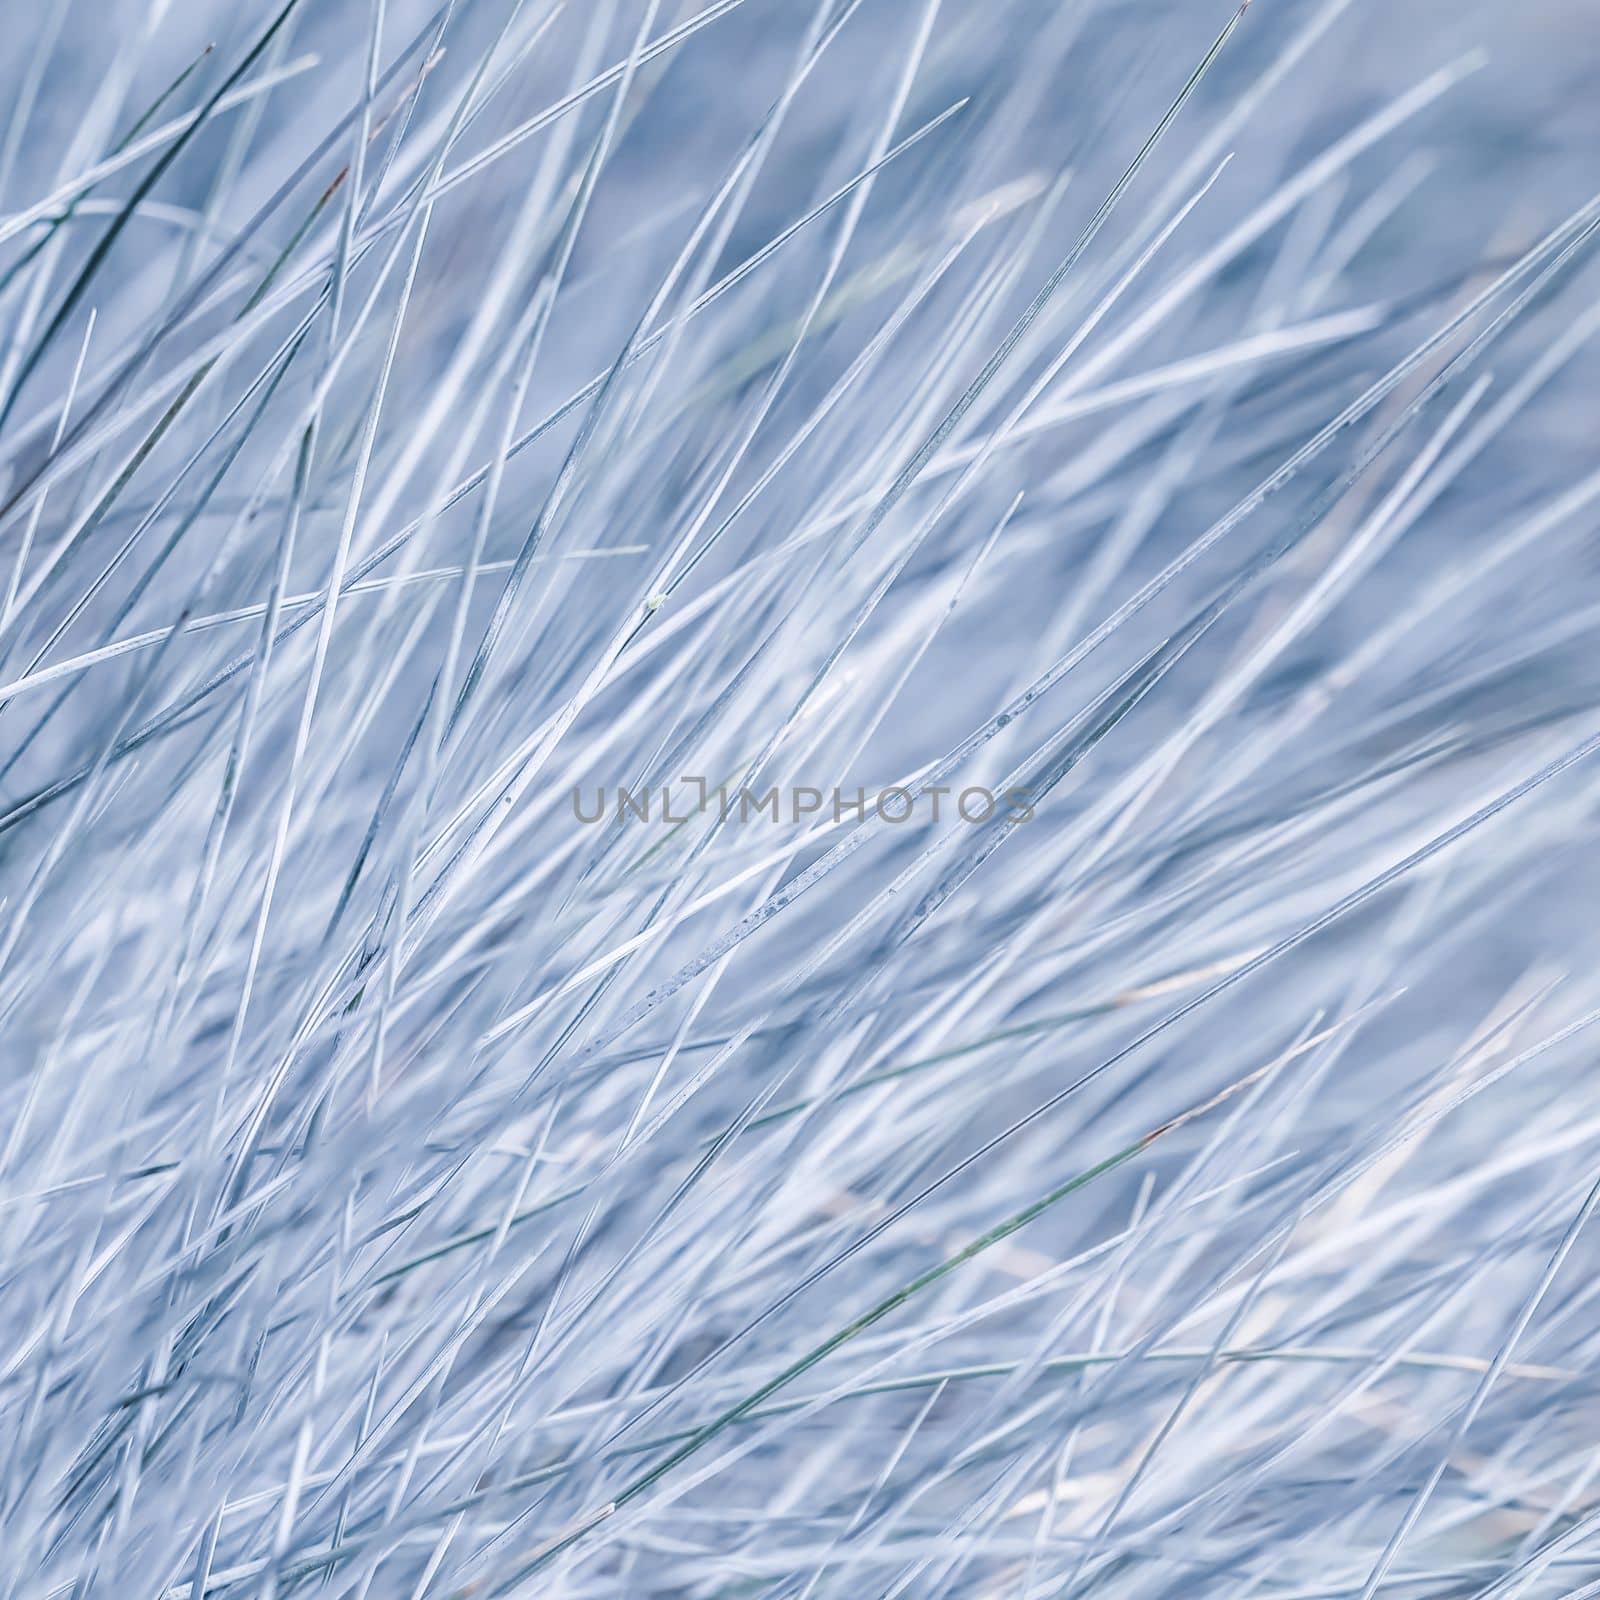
point(422, 421)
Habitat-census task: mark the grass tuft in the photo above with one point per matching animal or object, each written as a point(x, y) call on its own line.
point(797, 800)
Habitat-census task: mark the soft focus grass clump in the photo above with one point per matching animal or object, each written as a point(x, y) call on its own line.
point(419, 420)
